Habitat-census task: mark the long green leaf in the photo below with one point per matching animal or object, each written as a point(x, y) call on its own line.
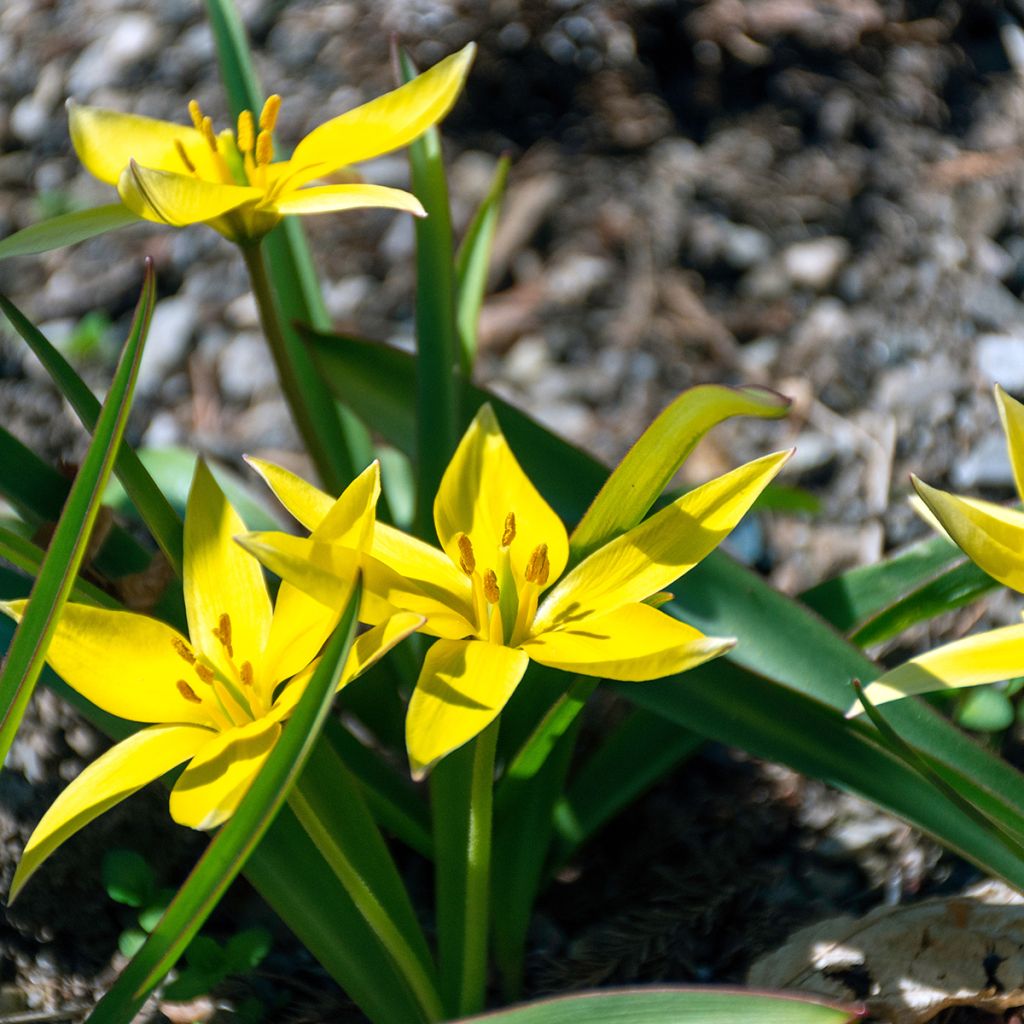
point(673, 1006)
point(66, 230)
point(72, 536)
point(438, 386)
point(164, 523)
point(639, 479)
point(345, 444)
point(228, 851)
point(471, 265)
point(800, 654)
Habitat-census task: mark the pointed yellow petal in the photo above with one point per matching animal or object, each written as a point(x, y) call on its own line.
point(350, 520)
point(462, 688)
point(985, 658)
point(335, 198)
point(388, 122)
point(118, 773)
point(217, 778)
point(124, 663)
point(429, 568)
point(368, 649)
point(990, 535)
point(306, 503)
point(671, 542)
point(1011, 412)
point(633, 642)
point(166, 197)
point(106, 141)
point(221, 579)
point(300, 627)
point(482, 485)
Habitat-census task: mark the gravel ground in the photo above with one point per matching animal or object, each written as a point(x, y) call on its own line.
point(823, 196)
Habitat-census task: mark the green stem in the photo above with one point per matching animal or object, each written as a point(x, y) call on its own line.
point(312, 407)
point(369, 906)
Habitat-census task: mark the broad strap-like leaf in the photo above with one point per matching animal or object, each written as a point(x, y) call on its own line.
point(156, 512)
point(227, 853)
point(73, 533)
point(66, 229)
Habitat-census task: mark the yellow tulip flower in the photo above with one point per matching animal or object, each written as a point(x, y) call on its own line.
point(495, 594)
point(216, 698)
point(174, 174)
point(993, 537)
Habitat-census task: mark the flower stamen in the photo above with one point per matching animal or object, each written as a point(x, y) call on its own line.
point(264, 149)
point(223, 633)
point(196, 113)
point(183, 156)
point(188, 693)
point(467, 560)
point(268, 115)
point(509, 533)
point(246, 673)
point(246, 133)
point(491, 591)
point(538, 568)
point(183, 650)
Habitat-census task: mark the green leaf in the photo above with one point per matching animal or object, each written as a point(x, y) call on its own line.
point(127, 877)
point(72, 537)
point(639, 479)
point(438, 387)
point(673, 1006)
point(130, 941)
point(344, 444)
point(247, 949)
point(207, 955)
point(231, 847)
point(163, 522)
point(985, 709)
point(66, 230)
point(471, 265)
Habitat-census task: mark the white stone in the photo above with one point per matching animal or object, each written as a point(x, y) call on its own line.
point(1000, 357)
point(170, 332)
point(814, 264)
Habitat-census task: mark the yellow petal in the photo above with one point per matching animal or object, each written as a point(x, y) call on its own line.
point(644, 560)
point(306, 503)
point(985, 658)
point(221, 579)
point(106, 141)
point(166, 197)
point(367, 650)
point(350, 520)
point(429, 568)
point(300, 627)
point(633, 642)
point(990, 535)
point(211, 787)
point(334, 198)
point(126, 664)
point(1011, 412)
point(118, 773)
point(481, 486)
point(386, 123)
point(462, 688)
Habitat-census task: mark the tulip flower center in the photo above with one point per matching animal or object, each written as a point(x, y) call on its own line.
point(229, 702)
point(504, 606)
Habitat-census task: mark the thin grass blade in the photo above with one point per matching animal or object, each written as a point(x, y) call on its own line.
point(67, 229)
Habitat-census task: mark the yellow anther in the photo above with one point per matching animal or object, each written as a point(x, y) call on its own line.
point(182, 650)
point(264, 148)
point(246, 673)
point(509, 533)
point(491, 591)
point(246, 132)
point(183, 156)
point(223, 633)
point(205, 673)
point(268, 115)
point(208, 133)
point(196, 113)
point(538, 568)
point(467, 561)
point(188, 693)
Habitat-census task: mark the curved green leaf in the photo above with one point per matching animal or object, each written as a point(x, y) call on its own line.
point(67, 229)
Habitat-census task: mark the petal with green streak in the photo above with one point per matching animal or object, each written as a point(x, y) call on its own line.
point(166, 197)
point(335, 198)
point(349, 521)
point(124, 663)
point(985, 658)
point(990, 535)
point(388, 122)
point(1011, 412)
point(118, 773)
point(106, 141)
point(213, 784)
point(462, 688)
point(222, 579)
point(634, 642)
point(482, 484)
point(647, 558)
point(367, 650)
point(305, 503)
